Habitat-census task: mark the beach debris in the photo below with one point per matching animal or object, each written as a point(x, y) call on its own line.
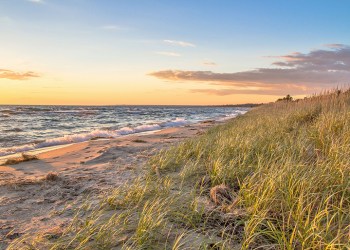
point(12, 235)
point(221, 195)
point(22, 158)
point(208, 121)
point(52, 176)
point(53, 233)
point(99, 138)
point(139, 141)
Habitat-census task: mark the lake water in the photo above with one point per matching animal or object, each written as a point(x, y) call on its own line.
point(24, 128)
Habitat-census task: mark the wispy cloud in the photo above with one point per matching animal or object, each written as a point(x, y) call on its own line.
point(36, 1)
point(295, 72)
point(335, 45)
point(179, 43)
point(295, 90)
point(209, 63)
point(12, 75)
point(168, 53)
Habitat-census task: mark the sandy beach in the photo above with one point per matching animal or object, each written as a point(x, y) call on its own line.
point(33, 200)
point(182, 125)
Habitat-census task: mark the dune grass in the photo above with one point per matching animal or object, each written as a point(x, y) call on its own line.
point(286, 166)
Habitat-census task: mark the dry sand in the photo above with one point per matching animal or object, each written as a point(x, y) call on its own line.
point(30, 203)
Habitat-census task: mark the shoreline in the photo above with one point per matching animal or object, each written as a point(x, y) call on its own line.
point(57, 147)
point(37, 149)
point(83, 124)
point(28, 197)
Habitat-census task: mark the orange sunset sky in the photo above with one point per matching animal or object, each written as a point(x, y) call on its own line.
point(170, 52)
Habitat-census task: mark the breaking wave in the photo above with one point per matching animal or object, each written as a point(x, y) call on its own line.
point(98, 133)
point(233, 115)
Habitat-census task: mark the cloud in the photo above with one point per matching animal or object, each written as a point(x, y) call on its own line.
point(295, 72)
point(12, 75)
point(167, 53)
point(36, 1)
point(179, 43)
point(209, 63)
point(336, 59)
point(335, 45)
point(259, 91)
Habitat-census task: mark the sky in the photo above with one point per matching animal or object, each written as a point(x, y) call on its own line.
point(184, 52)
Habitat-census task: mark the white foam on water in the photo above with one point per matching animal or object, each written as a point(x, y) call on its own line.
point(233, 115)
point(53, 115)
point(75, 138)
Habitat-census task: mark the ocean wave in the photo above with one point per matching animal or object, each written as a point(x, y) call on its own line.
point(33, 109)
point(98, 133)
point(64, 125)
point(13, 130)
point(76, 112)
point(8, 112)
point(233, 115)
point(26, 110)
point(175, 123)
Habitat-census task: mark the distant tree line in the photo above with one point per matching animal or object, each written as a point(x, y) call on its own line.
point(287, 98)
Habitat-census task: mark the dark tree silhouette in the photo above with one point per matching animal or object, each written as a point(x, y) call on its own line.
point(287, 98)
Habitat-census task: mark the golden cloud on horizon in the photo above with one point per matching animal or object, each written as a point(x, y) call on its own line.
point(12, 75)
point(299, 73)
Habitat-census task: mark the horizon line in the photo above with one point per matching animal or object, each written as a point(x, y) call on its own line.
point(113, 105)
